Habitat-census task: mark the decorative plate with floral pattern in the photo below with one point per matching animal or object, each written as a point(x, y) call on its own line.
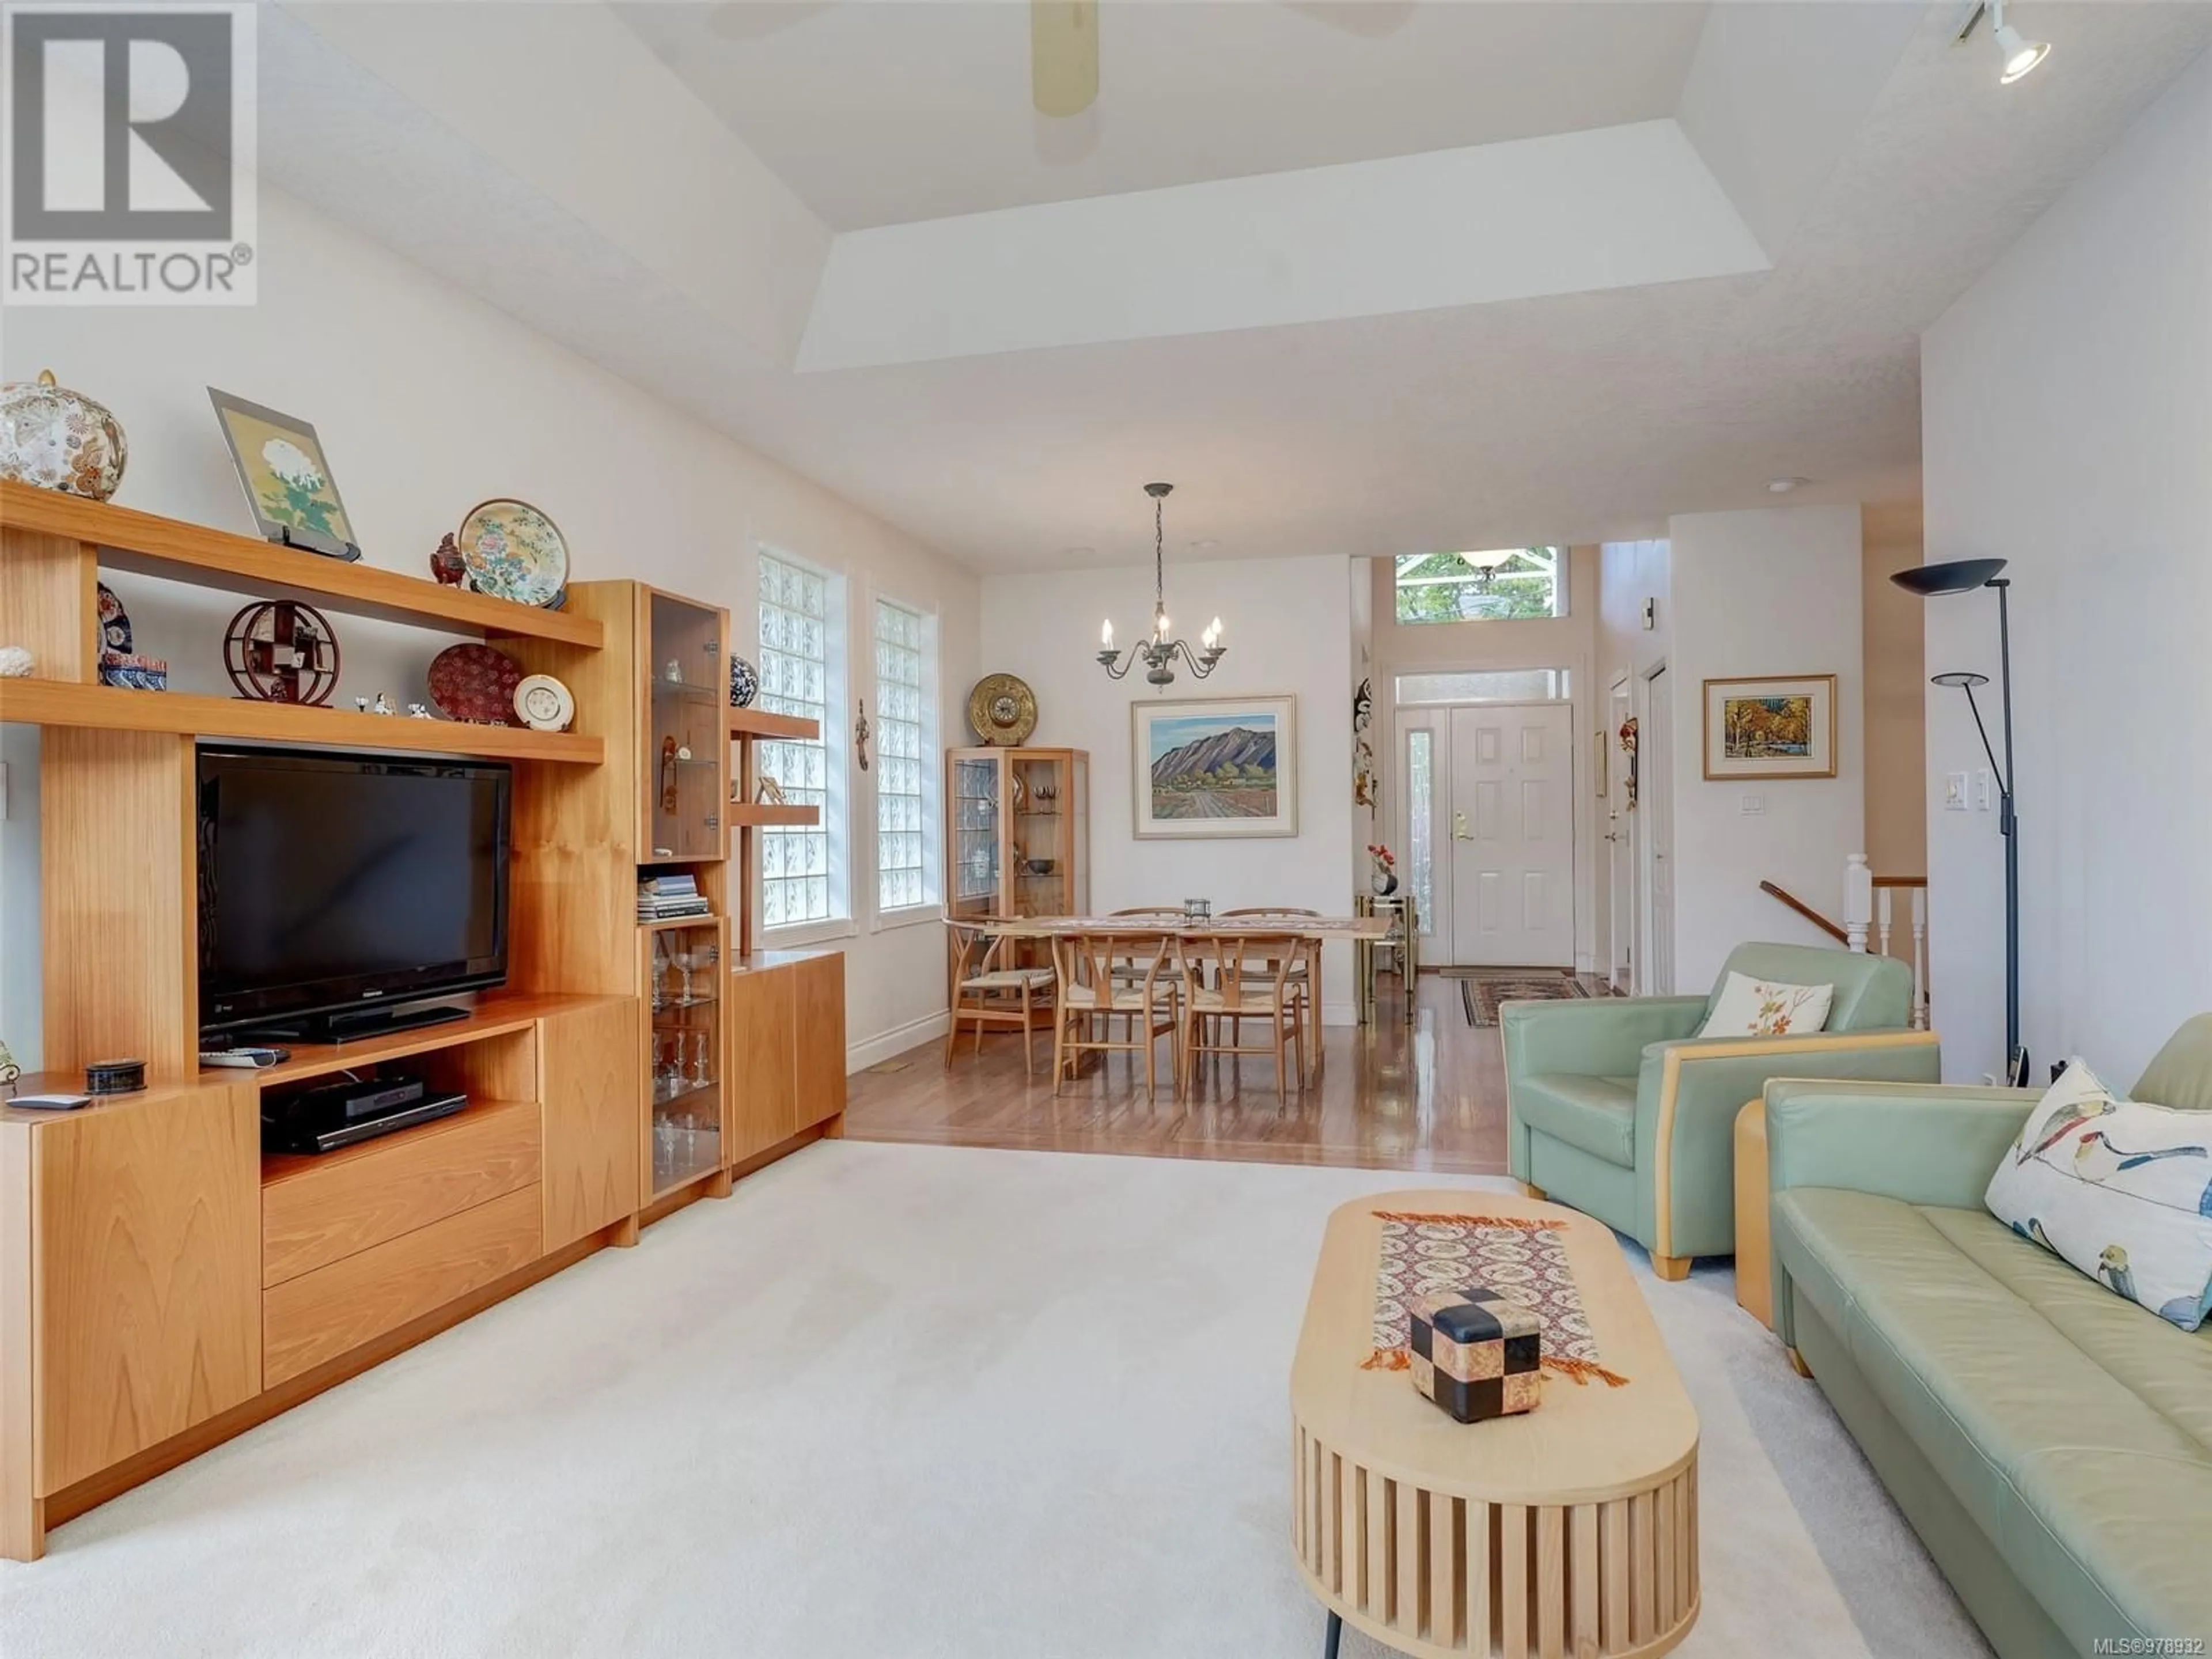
point(512, 550)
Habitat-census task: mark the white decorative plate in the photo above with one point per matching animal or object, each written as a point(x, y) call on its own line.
point(544, 703)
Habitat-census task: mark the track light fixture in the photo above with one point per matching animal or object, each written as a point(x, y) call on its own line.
point(2017, 55)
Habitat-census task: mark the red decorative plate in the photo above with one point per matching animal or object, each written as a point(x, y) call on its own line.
point(475, 683)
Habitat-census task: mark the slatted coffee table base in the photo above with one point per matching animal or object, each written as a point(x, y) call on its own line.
point(1435, 1573)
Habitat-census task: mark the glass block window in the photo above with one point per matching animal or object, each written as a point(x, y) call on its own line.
point(1494, 584)
point(906, 825)
point(800, 647)
point(1420, 823)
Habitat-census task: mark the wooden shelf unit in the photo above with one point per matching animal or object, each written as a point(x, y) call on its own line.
point(122, 538)
point(749, 728)
point(758, 814)
point(111, 709)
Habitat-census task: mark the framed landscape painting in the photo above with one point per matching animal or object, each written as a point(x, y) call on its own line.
point(1770, 729)
point(1214, 767)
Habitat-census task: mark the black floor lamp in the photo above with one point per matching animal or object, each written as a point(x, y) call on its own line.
point(1963, 576)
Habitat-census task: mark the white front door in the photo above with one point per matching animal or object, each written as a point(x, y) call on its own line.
point(1656, 800)
point(1512, 835)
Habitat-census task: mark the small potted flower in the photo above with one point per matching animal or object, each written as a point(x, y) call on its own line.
point(1386, 869)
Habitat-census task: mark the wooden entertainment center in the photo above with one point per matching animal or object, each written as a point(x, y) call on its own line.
point(164, 1283)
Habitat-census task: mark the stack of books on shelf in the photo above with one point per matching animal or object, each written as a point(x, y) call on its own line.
point(660, 898)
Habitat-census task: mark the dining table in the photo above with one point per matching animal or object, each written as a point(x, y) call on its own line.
point(1362, 933)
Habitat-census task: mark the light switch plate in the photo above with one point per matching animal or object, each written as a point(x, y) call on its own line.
point(1954, 792)
point(1983, 787)
point(1752, 806)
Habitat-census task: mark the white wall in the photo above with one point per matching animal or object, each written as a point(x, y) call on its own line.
point(1287, 631)
point(2067, 421)
point(1772, 592)
point(427, 402)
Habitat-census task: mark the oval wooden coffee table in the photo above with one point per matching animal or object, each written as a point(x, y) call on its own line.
point(1570, 1530)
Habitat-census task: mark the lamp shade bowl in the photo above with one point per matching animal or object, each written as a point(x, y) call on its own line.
point(1951, 576)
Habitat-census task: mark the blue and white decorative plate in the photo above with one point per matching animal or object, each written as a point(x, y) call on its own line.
point(745, 682)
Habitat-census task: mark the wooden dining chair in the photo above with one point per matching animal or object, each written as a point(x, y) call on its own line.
point(987, 992)
point(1128, 973)
point(1091, 995)
point(1303, 970)
point(1249, 979)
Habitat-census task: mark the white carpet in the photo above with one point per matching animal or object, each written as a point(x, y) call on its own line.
point(899, 1400)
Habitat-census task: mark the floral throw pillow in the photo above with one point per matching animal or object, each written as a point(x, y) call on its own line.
point(1766, 1007)
point(2120, 1188)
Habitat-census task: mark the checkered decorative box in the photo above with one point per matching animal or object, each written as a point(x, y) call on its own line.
point(1476, 1354)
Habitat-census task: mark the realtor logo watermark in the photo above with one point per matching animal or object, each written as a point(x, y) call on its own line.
point(128, 155)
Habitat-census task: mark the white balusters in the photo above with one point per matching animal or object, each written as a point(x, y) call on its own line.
point(1881, 921)
point(1920, 958)
point(1858, 902)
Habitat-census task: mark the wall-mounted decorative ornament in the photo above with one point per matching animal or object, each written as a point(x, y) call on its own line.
point(15, 662)
point(544, 703)
point(281, 651)
point(860, 735)
point(446, 564)
point(1003, 710)
point(1364, 792)
point(1628, 748)
point(11, 1073)
point(287, 481)
point(57, 439)
point(513, 550)
point(770, 792)
point(745, 682)
point(476, 683)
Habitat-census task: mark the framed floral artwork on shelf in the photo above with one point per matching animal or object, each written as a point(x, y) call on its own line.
point(287, 481)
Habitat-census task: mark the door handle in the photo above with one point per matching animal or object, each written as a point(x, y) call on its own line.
point(1458, 827)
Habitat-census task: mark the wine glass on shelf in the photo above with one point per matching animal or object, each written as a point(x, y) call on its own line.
point(698, 952)
point(700, 1075)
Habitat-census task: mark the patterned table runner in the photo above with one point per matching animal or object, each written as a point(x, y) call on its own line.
point(1523, 1259)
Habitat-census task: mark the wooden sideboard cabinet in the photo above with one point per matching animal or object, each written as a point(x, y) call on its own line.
point(787, 1034)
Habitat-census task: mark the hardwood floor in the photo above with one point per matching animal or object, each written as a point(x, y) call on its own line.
point(1387, 1097)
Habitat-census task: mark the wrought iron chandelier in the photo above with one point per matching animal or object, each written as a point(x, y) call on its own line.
point(1158, 653)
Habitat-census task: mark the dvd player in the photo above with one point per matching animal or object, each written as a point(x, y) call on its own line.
point(335, 1115)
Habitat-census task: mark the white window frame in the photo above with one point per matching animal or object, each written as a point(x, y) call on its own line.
point(837, 805)
point(929, 766)
point(1561, 586)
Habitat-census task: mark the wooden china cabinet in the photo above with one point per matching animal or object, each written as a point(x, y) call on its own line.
point(1020, 841)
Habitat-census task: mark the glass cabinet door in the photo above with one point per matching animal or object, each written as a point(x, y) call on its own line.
point(683, 978)
point(688, 747)
point(974, 884)
point(1043, 799)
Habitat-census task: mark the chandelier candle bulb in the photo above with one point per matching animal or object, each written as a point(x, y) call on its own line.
point(1106, 633)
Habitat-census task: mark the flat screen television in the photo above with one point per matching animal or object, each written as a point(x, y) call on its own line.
point(336, 888)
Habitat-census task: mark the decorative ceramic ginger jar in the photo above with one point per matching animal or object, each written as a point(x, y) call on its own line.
point(59, 440)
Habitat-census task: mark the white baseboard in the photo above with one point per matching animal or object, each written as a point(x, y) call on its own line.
point(859, 1057)
point(1340, 1013)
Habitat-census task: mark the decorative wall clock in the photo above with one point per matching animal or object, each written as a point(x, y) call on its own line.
point(1003, 710)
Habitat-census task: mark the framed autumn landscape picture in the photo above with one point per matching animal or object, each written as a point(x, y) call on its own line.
point(1771, 727)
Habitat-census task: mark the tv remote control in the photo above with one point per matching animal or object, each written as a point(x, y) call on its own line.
point(251, 1060)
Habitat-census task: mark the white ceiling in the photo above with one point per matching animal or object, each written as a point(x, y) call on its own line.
point(1878, 166)
point(886, 112)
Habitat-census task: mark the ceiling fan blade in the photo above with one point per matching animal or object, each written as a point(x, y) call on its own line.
point(1063, 56)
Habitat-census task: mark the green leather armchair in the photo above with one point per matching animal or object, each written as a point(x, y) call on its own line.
point(1615, 1107)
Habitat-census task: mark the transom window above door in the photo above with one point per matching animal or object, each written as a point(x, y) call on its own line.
point(1484, 685)
point(1497, 584)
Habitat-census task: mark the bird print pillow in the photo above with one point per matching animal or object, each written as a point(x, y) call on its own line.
point(2121, 1189)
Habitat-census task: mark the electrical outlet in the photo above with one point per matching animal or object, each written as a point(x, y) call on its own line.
point(1954, 792)
point(3, 792)
point(1752, 806)
point(1983, 787)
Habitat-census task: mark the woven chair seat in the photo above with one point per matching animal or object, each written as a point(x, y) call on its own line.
point(1123, 1002)
point(1249, 1002)
point(1009, 979)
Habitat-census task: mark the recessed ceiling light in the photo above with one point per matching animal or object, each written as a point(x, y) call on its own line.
point(1077, 552)
point(1783, 486)
point(1205, 542)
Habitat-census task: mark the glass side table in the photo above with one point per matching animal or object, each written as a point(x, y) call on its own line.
point(1405, 940)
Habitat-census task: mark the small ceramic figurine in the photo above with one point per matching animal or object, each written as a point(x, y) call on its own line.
point(9, 1070)
point(383, 705)
point(446, 564)
point(416, 711)
point(860, 735)
point(362, 704)
point(674, 673)
point(14, 662)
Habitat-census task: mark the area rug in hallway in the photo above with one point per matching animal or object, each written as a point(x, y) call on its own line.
point(906, 1401)
point(1481, 989)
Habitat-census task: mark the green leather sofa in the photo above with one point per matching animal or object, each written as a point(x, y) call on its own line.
point(1614, 1109)
point(2050, 1442)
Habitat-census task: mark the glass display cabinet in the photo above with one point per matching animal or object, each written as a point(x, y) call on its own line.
point(687, 754)
point(1020, 841)
point(683, 975)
